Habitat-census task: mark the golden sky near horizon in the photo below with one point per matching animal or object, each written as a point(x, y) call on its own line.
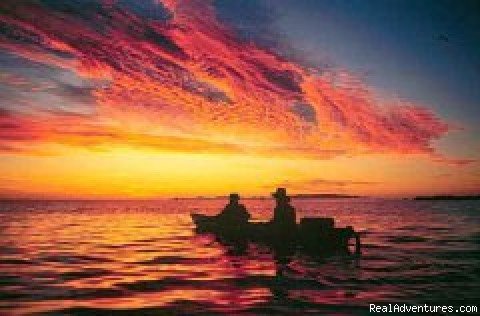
point(100, 102)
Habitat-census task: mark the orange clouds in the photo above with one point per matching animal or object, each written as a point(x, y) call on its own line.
point(187, 83)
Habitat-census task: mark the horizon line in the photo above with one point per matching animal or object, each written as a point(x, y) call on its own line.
point(248, 197)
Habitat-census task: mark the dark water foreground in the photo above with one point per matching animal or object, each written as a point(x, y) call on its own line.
point(143, 258)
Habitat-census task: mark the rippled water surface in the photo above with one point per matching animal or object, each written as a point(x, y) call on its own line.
point(143, 257)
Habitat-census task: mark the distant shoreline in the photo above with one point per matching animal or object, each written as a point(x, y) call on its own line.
point(447, 198)
point(223, 197)
point(294, 196)
point(217, 197)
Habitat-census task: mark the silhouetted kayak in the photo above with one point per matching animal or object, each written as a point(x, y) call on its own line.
point(313, 235)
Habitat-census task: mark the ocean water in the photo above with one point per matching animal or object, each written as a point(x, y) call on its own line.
point(143, 257)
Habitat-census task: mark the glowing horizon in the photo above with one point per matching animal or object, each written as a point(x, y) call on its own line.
point(103, 100)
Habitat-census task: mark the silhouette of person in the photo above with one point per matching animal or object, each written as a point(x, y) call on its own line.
point(284, 217)
point(234, 213)
point(233, 224)
point(283, 228)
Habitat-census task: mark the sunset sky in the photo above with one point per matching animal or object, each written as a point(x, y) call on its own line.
point(163, 98)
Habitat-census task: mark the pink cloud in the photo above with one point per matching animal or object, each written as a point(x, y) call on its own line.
point(190, 78)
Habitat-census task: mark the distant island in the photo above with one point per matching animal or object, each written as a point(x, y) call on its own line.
point(295, 196)
point(448, 197)
point(324, 196)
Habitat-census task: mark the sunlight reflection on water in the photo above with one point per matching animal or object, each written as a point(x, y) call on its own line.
point(141, 256)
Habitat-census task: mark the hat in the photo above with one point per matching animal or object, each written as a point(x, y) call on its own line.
point(234, 196)
point(280, 193)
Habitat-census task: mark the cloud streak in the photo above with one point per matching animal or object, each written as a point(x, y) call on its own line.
point(324, 185)
point(183, 81)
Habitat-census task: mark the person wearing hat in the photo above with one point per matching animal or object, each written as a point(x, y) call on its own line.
point(234, 214)
point(284, 217)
